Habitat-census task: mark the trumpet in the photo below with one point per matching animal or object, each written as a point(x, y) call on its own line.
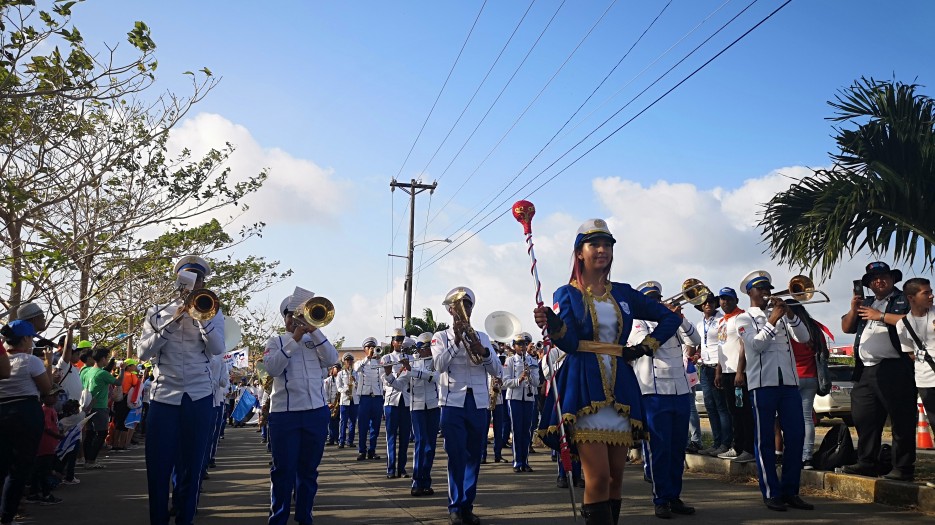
point(802, 289)
point(314, 313)
point(456, 303)
point(693, 291)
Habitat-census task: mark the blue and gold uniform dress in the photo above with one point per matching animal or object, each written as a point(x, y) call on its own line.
point(600, 396)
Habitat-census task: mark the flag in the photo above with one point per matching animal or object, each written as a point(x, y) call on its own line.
point(70, 441)
point(134, 417)
point(236, 359)
point(246, 405)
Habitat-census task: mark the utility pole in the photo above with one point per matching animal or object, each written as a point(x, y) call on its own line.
point(412, 188)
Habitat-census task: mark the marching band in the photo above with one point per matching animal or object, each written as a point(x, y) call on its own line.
point(612, 373)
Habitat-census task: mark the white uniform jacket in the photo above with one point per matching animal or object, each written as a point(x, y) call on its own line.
point(664, 373)
point(181, 353)
point(344, 386)
point(297, 370)
point(459, 374)
point(768, 348)
point(422, 381)
point(512, 369)
point(368, 377)
point(391, 396)
point(221, 377)
point(331, 389)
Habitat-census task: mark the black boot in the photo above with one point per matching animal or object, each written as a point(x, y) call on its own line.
point(597, 513)
point(615, 509)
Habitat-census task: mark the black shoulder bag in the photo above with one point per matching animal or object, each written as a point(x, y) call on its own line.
point(919, 343)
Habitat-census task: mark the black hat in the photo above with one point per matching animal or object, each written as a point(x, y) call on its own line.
point(711, 298)
point(878, 267)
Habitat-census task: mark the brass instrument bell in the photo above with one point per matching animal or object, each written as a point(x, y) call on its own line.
point(316, 312)
point(802, 289)
point(693, 292)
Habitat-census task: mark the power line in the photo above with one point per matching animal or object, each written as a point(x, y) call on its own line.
point(440, 91)
point(615, 131)
point(491, 198)
point(466, 228)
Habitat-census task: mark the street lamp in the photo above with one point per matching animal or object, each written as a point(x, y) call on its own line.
point(408, 285)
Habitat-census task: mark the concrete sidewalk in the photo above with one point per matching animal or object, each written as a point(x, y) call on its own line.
point(353, 492)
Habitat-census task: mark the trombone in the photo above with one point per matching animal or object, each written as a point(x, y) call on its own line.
point(802, 289)
point(314, 313)
point(693, 291)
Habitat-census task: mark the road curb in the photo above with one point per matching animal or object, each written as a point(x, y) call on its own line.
point(876, 490)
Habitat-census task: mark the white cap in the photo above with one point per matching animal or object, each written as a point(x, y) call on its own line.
point(193, 262)
point(424, 338)
point(459, 289)
point(370, 341)
point(284, 305)
point(409, 342)
point(398, 332)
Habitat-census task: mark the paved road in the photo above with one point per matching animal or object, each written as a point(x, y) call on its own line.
point(353, 492)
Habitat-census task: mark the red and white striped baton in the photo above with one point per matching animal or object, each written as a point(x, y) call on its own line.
point(523, 212)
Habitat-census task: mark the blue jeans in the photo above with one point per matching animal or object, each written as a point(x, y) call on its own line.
point(716, 406)
point(297, 440)
point(694, 421)
point(808, 388)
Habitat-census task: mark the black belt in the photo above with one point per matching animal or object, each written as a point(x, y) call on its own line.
point(470, 391)
point(704, 365)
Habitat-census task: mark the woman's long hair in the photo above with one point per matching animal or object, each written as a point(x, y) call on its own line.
point(11, 339)
point(577, 266)
point(816, 336)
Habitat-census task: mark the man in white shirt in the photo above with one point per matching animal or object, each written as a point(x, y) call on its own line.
point(731, 378)
point(463, 395)
point(180, 419)
point(421, 379)
point(396, 404)
point(667, 400)
point(774, 389)
point(521, 382)
point(346, 383)
point(884, 377)
point(714, 402)
point(67, 371)
point(298, 419)
point(922, 320)
point(370, 393)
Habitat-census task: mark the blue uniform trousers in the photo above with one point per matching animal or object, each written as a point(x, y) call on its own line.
point(368, 419)
point(177, 438)
point(787, 402)
point(667, 422)
point(398, 430)
point(297, 440)
point(333, 423)
point(521, 415)
point(716, 405)
point(499, 431)
point(218, 426)
point(465, 430)
point(348, 424)
point(425, 426)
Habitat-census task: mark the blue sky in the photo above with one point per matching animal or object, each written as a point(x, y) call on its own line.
point(330, 97)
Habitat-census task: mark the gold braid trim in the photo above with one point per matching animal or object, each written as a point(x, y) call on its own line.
point(559, 334)
point(651, 342)
point(609, 437)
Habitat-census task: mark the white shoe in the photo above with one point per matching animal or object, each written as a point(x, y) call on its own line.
point(744, 457)
point(719, 450)
point(729, 454)
point(74, 481)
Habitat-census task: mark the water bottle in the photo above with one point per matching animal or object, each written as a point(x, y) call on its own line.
point(738, 396)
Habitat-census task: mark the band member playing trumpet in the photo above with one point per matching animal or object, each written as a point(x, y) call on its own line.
point(766, 329)
point(370, 393)
point(396, 404)
point(350, 400)
point(521, 386)
point(667, 400)
point(298, 419)
point(421, 379)
point(600, 396)
point(181, 417)
point(465, 360)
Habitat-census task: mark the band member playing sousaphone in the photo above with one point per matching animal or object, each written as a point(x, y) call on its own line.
point(180, 336)
point(600, 396)
point(465, 360)
point(298, 420)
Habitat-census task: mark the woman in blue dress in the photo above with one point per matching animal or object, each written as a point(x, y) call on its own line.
point(600, 397)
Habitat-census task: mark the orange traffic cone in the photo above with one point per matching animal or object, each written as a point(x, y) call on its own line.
point(923, 436)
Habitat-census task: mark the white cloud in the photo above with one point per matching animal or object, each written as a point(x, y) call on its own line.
point(293, 182)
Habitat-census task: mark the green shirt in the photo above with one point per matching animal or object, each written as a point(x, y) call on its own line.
point(97, 380)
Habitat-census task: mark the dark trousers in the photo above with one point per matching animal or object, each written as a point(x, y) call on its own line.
point(178, 438)
point(297, 440)
point(887, 389)
point(96, 432)
point(715, 404)
point(348, 424)
point(499, 430)
point(666, 421)
point(741, 418)
point(333, 423)
point(521, 412)
point(398, 431)
point(68, 463)
point(20, 429)
point(41, 470)
point(928, 401)
point(369, 415)
point(786, 403)
point(425, 426)
point(465, 431)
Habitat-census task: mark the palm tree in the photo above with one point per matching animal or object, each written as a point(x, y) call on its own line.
point(880, 193)
point(427, 323)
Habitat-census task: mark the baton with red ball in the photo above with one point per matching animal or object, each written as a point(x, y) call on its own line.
point(523, 212)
